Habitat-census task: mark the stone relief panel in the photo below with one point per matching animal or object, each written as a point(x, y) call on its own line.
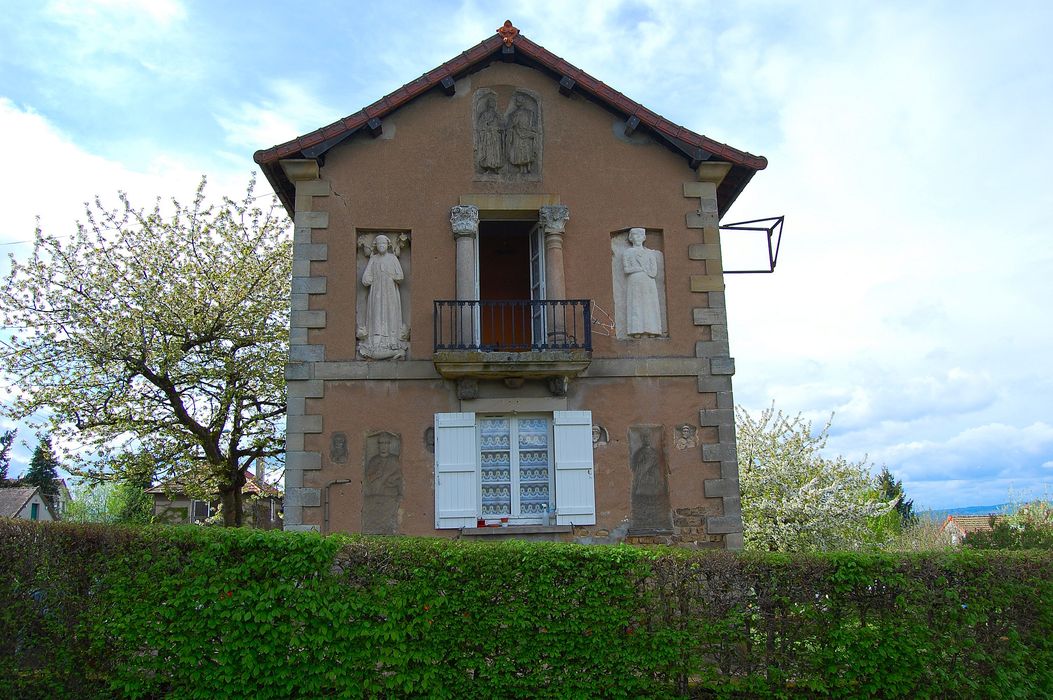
point(507, 142)
point(383, 308)
point(338, 448)
point(685, 436)
point(638, 272)
point(600, 437)
point(649, 502)
point(382, 484)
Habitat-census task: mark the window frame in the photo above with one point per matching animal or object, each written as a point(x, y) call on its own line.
point(515, 515)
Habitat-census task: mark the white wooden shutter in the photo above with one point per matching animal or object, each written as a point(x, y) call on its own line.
point(575, 480)
point(456, 472)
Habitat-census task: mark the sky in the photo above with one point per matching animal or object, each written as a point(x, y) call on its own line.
point(908, 147)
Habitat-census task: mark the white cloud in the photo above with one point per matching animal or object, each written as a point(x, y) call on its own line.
point(289, 111)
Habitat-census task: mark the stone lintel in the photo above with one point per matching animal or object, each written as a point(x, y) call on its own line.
point(298, 461)
point(524, 405)
point(722, 365)
point(708, 317)
point(297, 371)
point(709, 417)
point(312, 389)
point(722, 524)
point(303, 424)
point(307, 319)
point(310, 251)
point(298, 169)
point(707, 283)
point(311, 219)
point(708, 384)
point(307, 353)
point(308, 285)
point(703, 251)
point(711, 348)
point(720, 488)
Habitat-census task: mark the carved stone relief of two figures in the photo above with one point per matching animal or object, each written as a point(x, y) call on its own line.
point(639, 286)
point(507, 146)
point(383, 333)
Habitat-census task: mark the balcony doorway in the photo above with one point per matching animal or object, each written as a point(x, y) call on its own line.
point(512, 270)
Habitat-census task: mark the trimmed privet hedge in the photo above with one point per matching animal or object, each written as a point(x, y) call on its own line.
point(91, 611)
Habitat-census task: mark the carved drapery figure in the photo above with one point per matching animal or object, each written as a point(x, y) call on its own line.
point(650, 492)
point(643, 314)
point(522, 135)
point(384, 335)
point(338, 448)
point(489, 137)
point(382, 488)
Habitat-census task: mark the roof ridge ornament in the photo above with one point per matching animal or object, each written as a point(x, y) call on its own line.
point(508, 32)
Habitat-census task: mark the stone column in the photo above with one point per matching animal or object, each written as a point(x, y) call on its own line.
point(464, 220)
point(553, 220)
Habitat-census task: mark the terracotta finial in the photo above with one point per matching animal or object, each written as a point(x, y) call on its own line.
point(508, 32)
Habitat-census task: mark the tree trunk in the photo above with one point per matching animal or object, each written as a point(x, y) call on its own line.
point(231, 497)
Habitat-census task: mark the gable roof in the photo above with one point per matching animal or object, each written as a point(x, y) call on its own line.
point(252, 486)
point(695, 147)
point(14, 499)
point(971, 523)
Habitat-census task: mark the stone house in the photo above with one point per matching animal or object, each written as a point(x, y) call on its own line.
point(957, 527)
point(508, 313)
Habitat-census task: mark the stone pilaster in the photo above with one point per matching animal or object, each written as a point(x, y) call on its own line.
point(717, 368)
point(299, 372)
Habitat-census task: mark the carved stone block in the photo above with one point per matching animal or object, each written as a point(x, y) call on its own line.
point(649, 503)
point(638, 273)
point(508, 143)
point(382, 484)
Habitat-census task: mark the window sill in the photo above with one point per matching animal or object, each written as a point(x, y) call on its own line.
point(517, 530)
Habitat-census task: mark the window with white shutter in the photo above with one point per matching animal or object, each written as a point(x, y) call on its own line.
point(521, 468)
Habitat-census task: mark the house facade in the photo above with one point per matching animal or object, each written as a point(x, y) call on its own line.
point(26, 503)
point(508, 312)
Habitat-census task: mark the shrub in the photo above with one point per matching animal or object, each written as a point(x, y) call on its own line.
point(198, 612)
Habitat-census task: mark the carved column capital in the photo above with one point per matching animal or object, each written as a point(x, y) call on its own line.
point(554, 218)
point(464, 219)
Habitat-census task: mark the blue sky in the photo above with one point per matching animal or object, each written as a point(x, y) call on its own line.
point(908, 143)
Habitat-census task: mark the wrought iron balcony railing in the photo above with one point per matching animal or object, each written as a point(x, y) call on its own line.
point(514, 325)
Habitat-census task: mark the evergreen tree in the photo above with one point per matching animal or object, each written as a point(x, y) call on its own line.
point(6, 439)
point(43, 469)
point(893, 488)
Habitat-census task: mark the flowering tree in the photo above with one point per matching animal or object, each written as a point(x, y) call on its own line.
point(795, 499)
point(156, 338)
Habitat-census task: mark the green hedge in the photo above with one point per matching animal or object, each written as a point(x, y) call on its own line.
point(93, 611)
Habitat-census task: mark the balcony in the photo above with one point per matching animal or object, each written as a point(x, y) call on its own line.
point(514, 338)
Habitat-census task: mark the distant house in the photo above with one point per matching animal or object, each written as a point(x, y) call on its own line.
point(958, 527)
point(27, 503)
point(262, 504)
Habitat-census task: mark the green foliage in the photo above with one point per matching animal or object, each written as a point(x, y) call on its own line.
point(796, 499)
point(98, 611)
point(1030, 527)
point(43, 469)
point(7, 438)
point(160, 336)
point(891, 489)
point(121, 502)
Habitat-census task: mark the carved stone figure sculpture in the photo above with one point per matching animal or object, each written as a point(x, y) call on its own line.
point(522, 135)
point(382, 488)
point(650, 491)
point(338, 448)
point(384, 335)
point(643, 314)
point(685, 436)
point(489, 137)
